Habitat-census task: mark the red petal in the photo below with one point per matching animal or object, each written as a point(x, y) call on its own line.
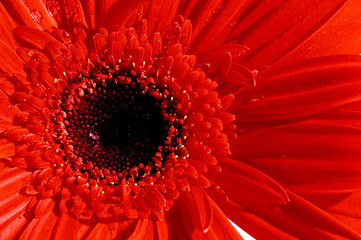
point(100, 231)
point(90, 11)
point(273, 29)
point(219, 25)
point(200, 12)
point(162, 230)
point(199, 208)
point(12, 230)
point(7, 149)
point(12, 207)
point(160, 14)
point(143, 230)
point(12, 180)
point(260, 187)
point(10, 62)
point(341, 35)
point(68, 227)
point(73, 12)
point(35, 37)
point(346, 209)
point(7, 112)
point(304, 155)
point(301, 89)
point(221, 228)
point(6, 26)
point(20, 12)
point(298, 218)
point(40, 228)
point(118, 14)
point(154, 199)
point(40, 14)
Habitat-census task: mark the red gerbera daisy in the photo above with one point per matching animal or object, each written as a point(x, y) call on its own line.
point(155, 120)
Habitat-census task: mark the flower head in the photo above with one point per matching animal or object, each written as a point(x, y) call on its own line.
point(135, 119)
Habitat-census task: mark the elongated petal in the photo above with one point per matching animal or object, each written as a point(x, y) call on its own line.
point(10, 62)
point(100, 231)
point(236, 175)
point(218, 26)
point(296, 220)
point(22, 13)
point(221, 228)
point(143, 230)
point(308, 156)
point(345, 208)
point(35, 37)
point(118, 14)
point(342, 33)
point(301, 89)
point(160, 14)
point(7, 24)
point(275, 28)
point(68, 227)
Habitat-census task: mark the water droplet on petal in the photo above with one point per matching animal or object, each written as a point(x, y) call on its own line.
point(232, 24)
point(31, 52)
point(36, 16)
point(53, 7)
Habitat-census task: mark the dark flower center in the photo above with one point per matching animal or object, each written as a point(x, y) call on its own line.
point(116, 123)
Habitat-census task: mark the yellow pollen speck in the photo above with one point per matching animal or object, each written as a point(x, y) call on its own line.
point(103, 192)
point(112, 183)
point(143, 64)
point(61, 165)
point(185, 117)
point(133, 64)
point(96, 185)
point(136, 184)
point(151, 183)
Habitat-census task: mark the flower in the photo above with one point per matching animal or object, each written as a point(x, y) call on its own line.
point(155, 119)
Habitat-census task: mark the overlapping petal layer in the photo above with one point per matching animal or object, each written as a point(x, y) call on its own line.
point(285, 141)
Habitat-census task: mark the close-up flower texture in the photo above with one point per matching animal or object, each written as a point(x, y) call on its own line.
point(159, 119)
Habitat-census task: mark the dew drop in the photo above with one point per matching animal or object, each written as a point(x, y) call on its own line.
point(53, 7)
point(36, 16)
point(232, 24)
point(31, 52)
